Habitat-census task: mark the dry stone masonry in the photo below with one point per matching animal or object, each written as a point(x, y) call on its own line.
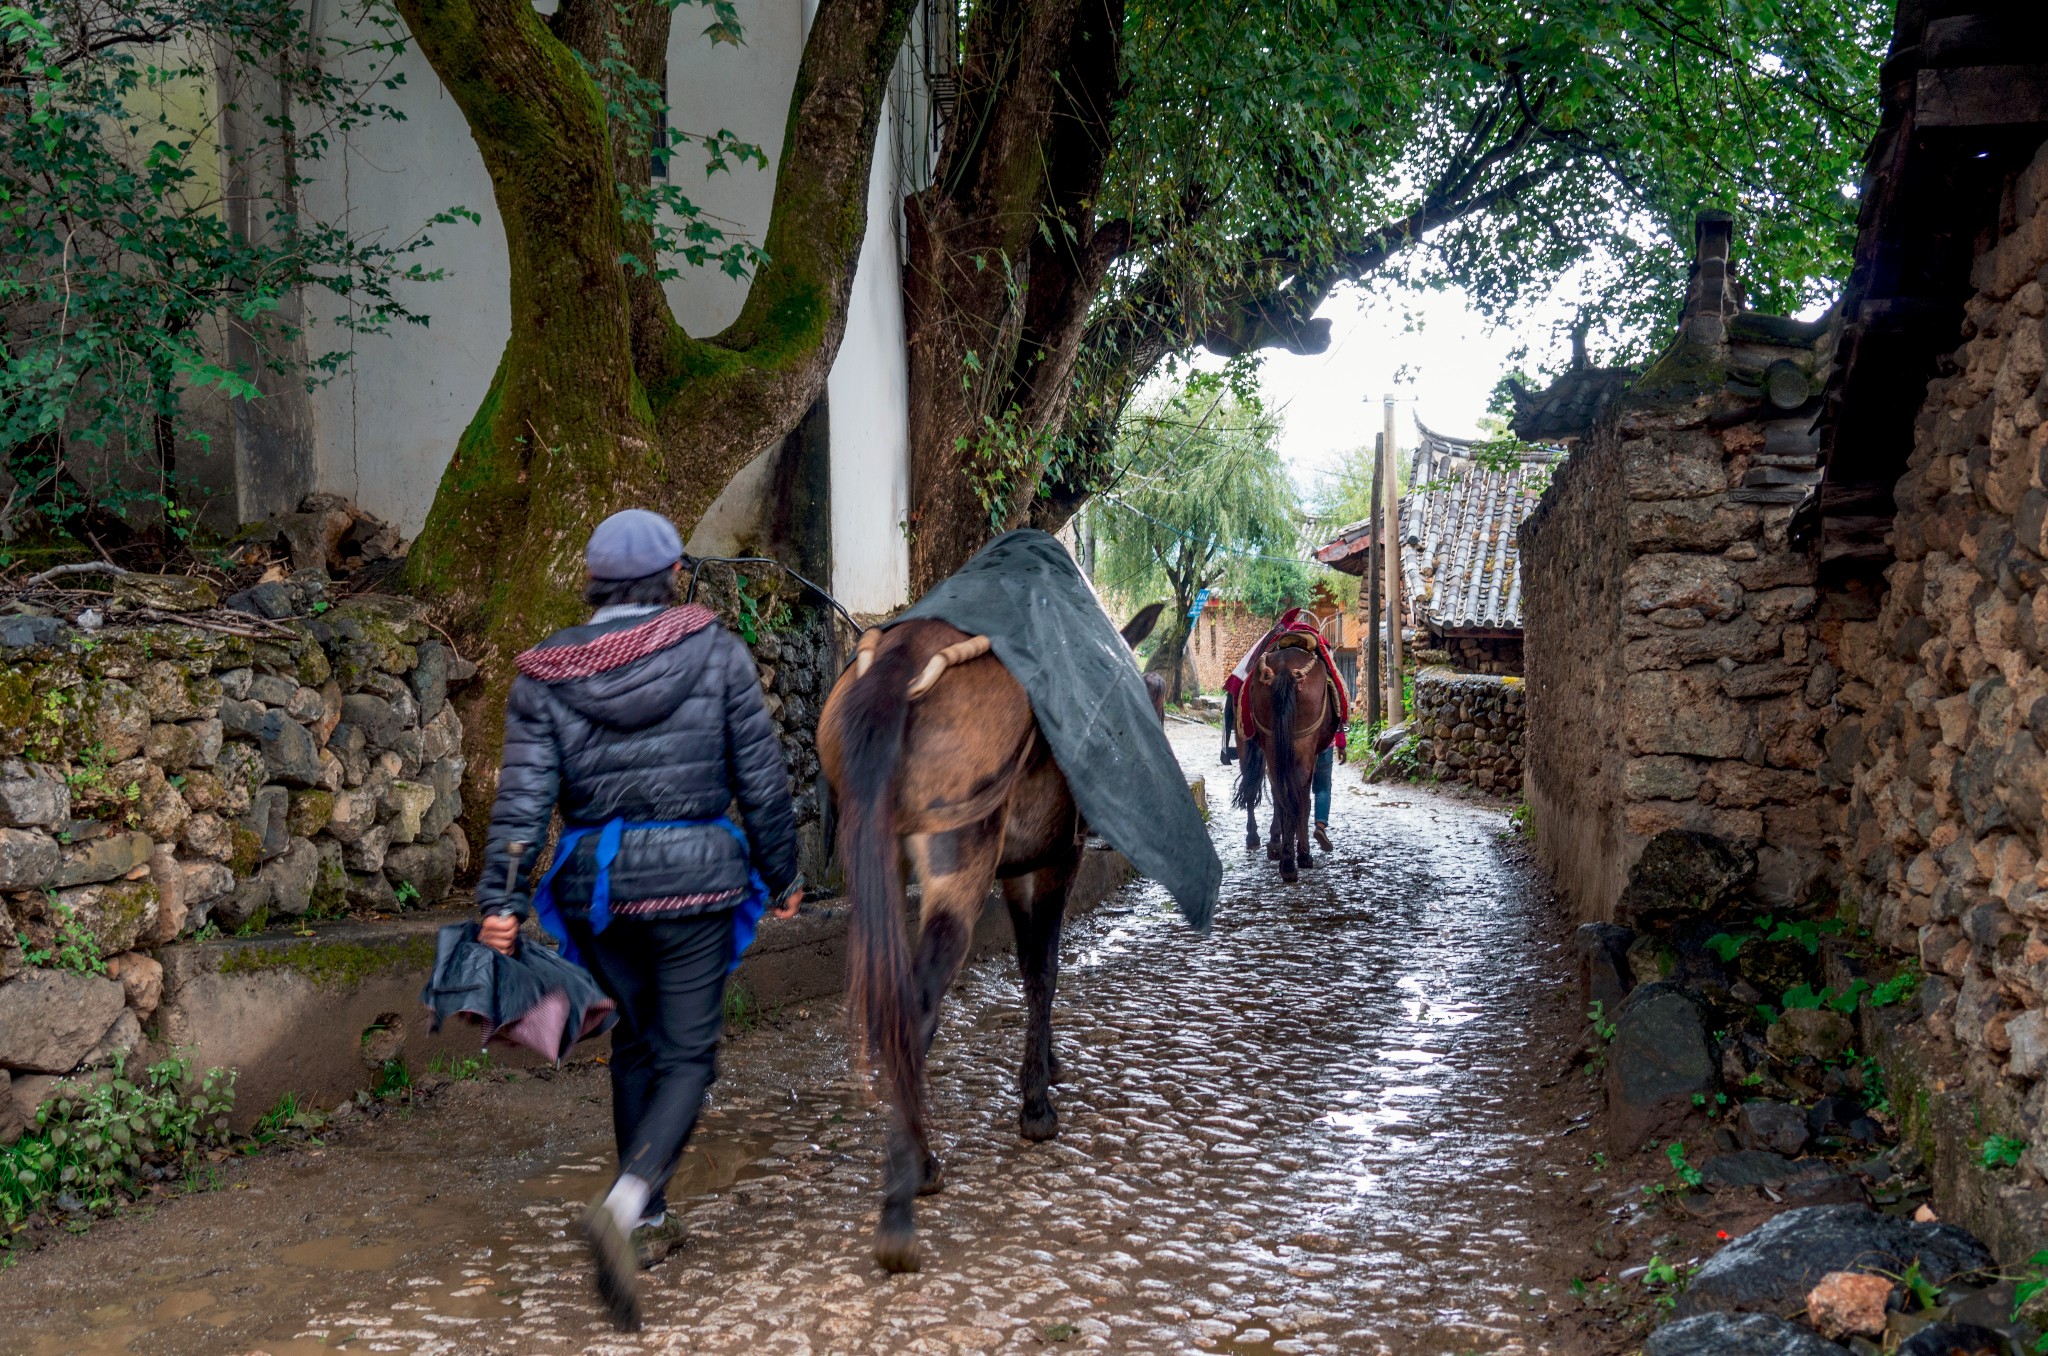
point(1945, 737)
point(1468, 728)
point(1676, 648)
point(160, 779)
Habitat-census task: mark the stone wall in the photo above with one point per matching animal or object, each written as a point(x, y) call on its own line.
point(160, 780)
point(1469, 728)
point(1946, 691)
point(1485, 654)
point(1225, 634)
point(1574, 550)
point(182, 771)
point(1677, 679)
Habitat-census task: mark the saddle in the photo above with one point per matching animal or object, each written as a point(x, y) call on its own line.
point(1292, 640)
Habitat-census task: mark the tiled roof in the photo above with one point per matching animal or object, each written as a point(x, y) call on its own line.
point(1569, 406)
point(1458, 526)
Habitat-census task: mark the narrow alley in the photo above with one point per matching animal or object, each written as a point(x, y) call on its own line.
point(1341, 1123)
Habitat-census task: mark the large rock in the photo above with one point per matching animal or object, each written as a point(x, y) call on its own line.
point(166, 592)
point(429, 679)
point(266, 819)
point(174, 692)
point(32, 796)
point(367, 852)
point(291, 878)
point(28, 859)
point(1811, 1033)
point(1771, 1268)
point(173, 897)
point(351, 814)
point(408, 803)
point(120, 721)
point(1776, 1127)
point(1738, 1335)
point(52, 1019)
point(289, 753)
point(445, 776)
point(1658, 1062)
point(1953, 1339)
point(1683, 872)
point(1603, 965)
point(249, 902)
point(117, 914)
point(376, 718)
point(428, 867)
point(107, 857)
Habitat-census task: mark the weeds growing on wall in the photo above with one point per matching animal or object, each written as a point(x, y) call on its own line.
point(91, 1147)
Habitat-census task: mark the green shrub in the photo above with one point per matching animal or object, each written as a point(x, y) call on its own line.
point(95, 1142)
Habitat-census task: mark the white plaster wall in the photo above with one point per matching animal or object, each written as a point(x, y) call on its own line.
point(385, 427)
point(744, 90)
point(869, 391)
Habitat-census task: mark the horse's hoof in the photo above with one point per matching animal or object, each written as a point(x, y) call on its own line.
point(1272, 854)
point(1304, 861)
point(1288, 876)
point(934, 1178)
point(896, 1251)
point(1251, 842)
point(1039, 1126)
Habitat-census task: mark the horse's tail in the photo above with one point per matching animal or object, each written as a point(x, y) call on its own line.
point(1286, 791)
point(1251, 756)
point(878, 1005)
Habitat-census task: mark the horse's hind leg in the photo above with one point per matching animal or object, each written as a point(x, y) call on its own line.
point(1302, 856)
point(1251, 828)
point(1038, 903)
point(956, 867)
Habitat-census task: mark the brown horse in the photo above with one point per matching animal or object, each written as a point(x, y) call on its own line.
point(1288, 713)
point(932, 751)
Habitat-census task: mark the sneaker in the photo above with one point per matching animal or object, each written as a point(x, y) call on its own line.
point(616, 1265)
point(1323, 837)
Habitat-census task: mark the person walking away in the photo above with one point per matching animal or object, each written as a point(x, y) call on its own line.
point(642, 726)
point(1302, 620)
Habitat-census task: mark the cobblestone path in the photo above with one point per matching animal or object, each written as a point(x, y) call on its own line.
point(1334, 1125)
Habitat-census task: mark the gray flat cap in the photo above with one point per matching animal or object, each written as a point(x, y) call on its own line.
point(632, 545)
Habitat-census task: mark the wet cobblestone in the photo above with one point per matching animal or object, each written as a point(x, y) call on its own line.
point(1316, 1130)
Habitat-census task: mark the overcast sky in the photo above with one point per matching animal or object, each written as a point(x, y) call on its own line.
point(1429, 348)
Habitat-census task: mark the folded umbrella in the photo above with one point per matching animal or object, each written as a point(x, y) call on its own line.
point(531, 998)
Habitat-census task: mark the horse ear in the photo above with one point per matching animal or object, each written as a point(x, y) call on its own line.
point(1137, 628)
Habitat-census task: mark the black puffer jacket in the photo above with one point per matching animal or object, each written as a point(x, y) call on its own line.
point(653, 717)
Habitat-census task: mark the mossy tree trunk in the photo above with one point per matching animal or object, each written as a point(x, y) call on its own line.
point(600, 400)
point(1006, 255)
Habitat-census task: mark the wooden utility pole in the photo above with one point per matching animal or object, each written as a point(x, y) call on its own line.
point(1370, 641)
point(1390, 477)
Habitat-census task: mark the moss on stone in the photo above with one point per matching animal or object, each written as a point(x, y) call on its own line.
point(330, 889)
point(18, 709)
point(247, 852)
point(309, 812)
point(334, 964)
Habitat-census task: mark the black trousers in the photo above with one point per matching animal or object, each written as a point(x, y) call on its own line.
point(668, 977)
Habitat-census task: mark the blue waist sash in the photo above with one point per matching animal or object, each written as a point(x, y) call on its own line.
point(746, 917)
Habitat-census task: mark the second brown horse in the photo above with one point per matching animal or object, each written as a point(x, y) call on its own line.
point(1288, 712)
point(933, 753)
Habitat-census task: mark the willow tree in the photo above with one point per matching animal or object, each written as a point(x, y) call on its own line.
point(1131, 179)
point(1202, 501)
point(600, 399)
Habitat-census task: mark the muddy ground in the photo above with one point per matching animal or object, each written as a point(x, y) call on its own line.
point(1350, 1120)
